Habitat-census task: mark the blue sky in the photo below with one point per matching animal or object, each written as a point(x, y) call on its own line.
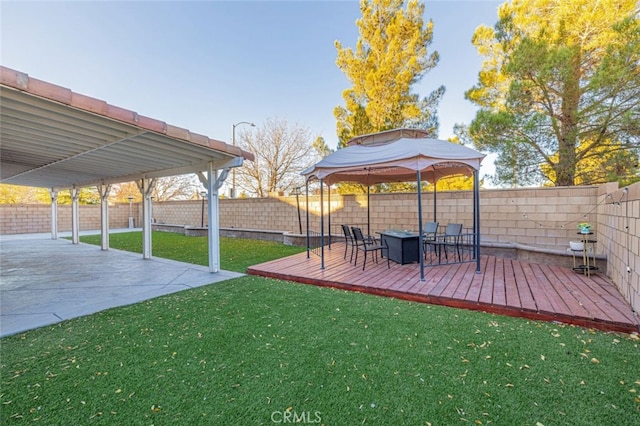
point(205, 65)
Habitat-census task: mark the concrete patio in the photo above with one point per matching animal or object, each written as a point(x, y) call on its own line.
point(45, 281)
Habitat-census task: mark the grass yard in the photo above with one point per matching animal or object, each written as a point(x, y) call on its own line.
point(261, 351)
point(236, 254)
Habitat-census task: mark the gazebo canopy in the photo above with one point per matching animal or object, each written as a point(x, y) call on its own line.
point(396, 161)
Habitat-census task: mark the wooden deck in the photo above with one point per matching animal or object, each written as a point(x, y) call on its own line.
point(504, 286)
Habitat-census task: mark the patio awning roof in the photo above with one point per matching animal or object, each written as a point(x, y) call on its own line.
point(397, 161)
point(55, 138)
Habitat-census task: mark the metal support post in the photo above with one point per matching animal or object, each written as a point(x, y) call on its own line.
point(54, 214)
point(104, 191)
point(75, 216)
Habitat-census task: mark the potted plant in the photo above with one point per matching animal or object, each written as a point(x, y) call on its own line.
point(584, 227)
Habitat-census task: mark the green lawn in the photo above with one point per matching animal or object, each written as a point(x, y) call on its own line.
point(260, 351)
point(236, 254)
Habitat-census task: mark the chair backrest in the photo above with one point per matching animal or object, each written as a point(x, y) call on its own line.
point(346, 232)
point(357, 233)
point(430, 228)
point(453, 229)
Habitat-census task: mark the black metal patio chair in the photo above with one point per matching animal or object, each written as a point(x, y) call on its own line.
point(348, 241)
point(369, 244)
point(429, 234)
point(451, 238)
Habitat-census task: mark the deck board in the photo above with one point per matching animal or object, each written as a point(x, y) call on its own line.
point(503, 286)
point(527, 301)
point(486, 292)
point(511, 290)
point(478, 282)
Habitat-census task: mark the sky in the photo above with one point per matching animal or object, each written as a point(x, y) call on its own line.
point(206, 65)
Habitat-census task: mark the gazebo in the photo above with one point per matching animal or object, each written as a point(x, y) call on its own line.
point(400, 155)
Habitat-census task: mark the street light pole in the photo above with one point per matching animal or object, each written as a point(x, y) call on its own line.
point(233, 172)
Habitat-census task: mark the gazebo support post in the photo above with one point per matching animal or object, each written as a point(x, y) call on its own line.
point(306, 187)
point(368, 209)
point(329, 212)
point(476, 220)
point(321, 225)
point(420, 236)
point(435, 198)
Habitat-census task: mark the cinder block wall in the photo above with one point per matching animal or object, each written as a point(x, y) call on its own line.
point(36, 218)
point(619, 237)
point(179, 212)
point(544, 217)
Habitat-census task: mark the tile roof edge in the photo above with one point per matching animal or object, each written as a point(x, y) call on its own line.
point(22, 81)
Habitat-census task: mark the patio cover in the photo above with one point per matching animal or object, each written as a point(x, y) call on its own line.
point(402, 159)
point(52, 137)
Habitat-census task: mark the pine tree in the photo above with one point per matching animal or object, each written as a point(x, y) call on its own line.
point(390, 57)
point(559, 90)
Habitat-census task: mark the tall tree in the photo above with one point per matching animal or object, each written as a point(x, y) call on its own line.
point(121, 192)
point(180, 187)
point(17, 194)
point(321, 147)
point(559, 89)
point(281, 152)
point(390, 57)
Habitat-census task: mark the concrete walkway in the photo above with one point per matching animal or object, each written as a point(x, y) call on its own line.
point(45, 281)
